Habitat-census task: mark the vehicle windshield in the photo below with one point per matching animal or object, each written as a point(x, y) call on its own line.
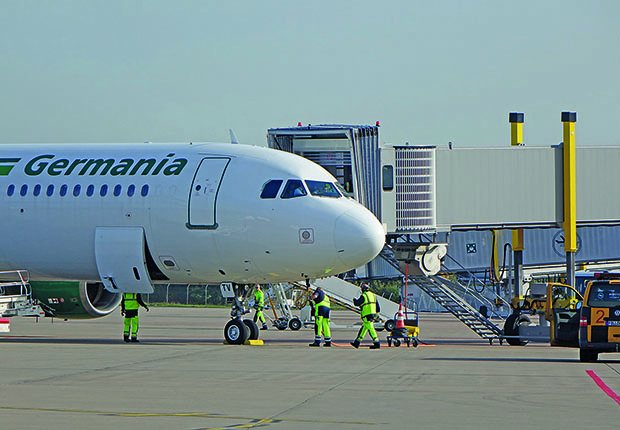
point(604, 294)
point(323, 189)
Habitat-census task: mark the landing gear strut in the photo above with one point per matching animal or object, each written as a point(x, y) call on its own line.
point(238, 330)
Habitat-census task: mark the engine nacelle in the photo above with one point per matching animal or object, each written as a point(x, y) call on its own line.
point(75, 299)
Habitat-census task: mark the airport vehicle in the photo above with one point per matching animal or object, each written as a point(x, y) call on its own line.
point(557, 306)
point(102, 219)
point(599, 324)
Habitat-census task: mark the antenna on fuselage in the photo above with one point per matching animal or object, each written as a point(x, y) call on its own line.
point(233, 138)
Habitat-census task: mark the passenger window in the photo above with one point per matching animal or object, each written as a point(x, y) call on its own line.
point(293, 188)
point(323, 189)
point(63, 190)
point(24, 190)
point(117, 190)
point(11, 190)
point(104, 190)
point(50, 190)
point(90, 190)
point(131, 190)
point(271, 188)
point(145, 190)
point(37, 190)
point(76, 190)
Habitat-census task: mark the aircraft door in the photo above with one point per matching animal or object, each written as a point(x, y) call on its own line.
point(203, 195)
point(121, 262)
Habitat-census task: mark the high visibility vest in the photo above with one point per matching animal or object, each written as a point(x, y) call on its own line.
point(131, 301)
point(325, 302)
point(369, 306)
point(259, 297)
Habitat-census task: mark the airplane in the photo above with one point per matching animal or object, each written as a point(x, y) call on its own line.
point(89, 222)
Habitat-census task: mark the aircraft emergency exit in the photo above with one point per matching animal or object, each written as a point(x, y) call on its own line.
point(125, 216)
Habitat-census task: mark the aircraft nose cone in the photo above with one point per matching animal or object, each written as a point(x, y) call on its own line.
point(359, 237)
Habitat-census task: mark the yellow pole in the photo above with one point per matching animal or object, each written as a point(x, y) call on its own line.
point(570, 195)
point(516, 139)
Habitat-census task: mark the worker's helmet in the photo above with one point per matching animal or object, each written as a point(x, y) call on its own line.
point(365, 287)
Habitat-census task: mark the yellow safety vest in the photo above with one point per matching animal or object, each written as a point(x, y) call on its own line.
point(259, 297)
point(325, 302)
point(369, 306)
point(131, 301)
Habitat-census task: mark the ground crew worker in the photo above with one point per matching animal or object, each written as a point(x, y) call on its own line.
point(259, 304)
point(369, 308)
point(130, 304)
point(321, 318)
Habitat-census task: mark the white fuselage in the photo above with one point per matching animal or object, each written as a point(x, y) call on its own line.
point(197, 206)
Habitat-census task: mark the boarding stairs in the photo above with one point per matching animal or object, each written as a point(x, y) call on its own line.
point(456, 298)
point(16, 295)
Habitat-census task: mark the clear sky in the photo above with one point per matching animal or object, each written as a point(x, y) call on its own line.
point(430, 71)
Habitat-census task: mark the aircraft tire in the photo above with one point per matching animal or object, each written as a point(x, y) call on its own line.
point(294, 324)
point(254, 332)
point(236, 332)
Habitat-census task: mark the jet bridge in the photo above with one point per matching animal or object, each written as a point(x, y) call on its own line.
point(426, 189)
point(423, 194)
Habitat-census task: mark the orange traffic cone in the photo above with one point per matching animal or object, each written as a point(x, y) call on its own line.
point(400, 319)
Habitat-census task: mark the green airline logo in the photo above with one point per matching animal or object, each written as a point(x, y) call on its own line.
point(52, 166)
point(7, 164)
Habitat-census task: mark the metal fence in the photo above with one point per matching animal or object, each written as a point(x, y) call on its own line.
point(186, 294)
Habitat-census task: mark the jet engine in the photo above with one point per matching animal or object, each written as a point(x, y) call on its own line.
point(74, 299)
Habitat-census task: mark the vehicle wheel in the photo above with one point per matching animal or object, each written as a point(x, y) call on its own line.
point(281, 323)
point(294, 324)
point(252, 328)
point(587, 355)
point(236, 332)
point(389, 325)
point(511, 328)
point(396, 342)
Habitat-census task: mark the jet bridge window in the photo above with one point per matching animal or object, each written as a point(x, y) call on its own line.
point(271, 188)
point(293, 188)
point(388, 178)
point(322, 189)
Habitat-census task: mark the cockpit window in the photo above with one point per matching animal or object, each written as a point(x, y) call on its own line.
point(323, 189)
point(271, 188)
point(293, 188)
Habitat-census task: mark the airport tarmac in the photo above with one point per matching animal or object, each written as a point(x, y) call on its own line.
point(81, 375)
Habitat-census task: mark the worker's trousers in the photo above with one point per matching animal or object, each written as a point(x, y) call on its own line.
point(321, 326)
point(368, 326)
point(258, 316)
point(131, 326)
